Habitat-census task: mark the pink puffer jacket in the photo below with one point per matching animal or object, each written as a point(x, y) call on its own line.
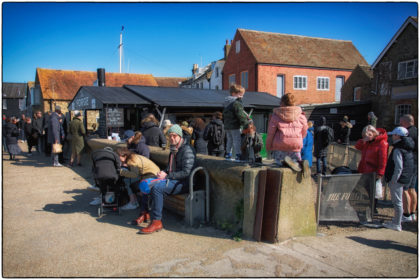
point(286, 129)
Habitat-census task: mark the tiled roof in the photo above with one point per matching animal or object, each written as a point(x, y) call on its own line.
point(169, 82)
point(14, 90)
point(284, 49)
point(368, 71)
point(64, 84)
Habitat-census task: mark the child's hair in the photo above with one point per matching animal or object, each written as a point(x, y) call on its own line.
point(124, 152)
point(369, 128)
point(310, 124)
point(251, 128)
point(218, 115)
point(287, 100)
point(137, 137)
point(235, 89)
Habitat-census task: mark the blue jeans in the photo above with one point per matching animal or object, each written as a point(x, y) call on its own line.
point(321, 169)
point(233, 142)
point(159, 191)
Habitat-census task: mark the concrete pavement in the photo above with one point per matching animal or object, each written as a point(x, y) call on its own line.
point(50, 230)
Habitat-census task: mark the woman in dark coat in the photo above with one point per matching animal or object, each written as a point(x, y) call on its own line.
point(12, 133)
point(200, 144)
point(151, 132)
point(31, 136)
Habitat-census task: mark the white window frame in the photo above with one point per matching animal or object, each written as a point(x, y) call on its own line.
point(303, 82)
point(232, 77)
point(354, 93)
point(238, 46)
point(403, 67)
point(401, 110)
point(323, 83)
point(244, 79)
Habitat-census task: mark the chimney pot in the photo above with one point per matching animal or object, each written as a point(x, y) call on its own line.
point(101, 77)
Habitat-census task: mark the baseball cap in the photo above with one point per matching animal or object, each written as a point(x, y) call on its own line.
point(401, 131)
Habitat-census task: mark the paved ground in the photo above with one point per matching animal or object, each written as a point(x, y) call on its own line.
point(49, 230)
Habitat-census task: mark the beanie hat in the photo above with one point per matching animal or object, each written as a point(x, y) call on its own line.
point(175, 129)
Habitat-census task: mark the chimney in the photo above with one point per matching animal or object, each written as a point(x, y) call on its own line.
point(227, 48)
point(101, 77)
point(194, 69)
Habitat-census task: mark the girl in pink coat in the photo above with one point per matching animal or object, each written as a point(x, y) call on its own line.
point(286, 130)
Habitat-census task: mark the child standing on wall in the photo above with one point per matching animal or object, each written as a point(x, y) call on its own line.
point(234, 117)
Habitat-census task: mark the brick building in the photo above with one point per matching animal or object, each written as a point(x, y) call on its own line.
point(358, 86)
point(314, 69)
point(395, 77)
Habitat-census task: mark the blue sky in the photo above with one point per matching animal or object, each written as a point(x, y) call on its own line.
point(166, 39)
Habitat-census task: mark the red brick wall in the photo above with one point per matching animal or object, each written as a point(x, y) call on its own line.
point(238, 62)
point(267, 82)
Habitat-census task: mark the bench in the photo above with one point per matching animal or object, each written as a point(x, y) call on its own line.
point(195, 205)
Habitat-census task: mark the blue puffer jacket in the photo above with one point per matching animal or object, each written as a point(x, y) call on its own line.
point(308, 145)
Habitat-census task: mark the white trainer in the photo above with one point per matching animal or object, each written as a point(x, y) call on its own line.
point(405, 219)
point(95, 201)
point(392, 226)
point(130, 206)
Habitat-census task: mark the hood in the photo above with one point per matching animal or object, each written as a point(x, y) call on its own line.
point(288, 113)
point(218, 122)
point(382, 135)
point(148, 124)
point(228, 100)
point(322, 121)
point(406, 143)
point(311, 129)
point(188, 130)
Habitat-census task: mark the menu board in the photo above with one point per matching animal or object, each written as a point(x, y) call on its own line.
point(114, 117)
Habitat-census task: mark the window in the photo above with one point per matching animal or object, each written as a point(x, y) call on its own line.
point(401, 110)
point(232, 79)
point(299, 82)
point(201, 85)
point(217, 72)
point(244, 79)
point(407, 69)
point(217, 87)
point(4, 104)
point(197, 86)
point(323, 83)
point(357, 93)
point(238, 46)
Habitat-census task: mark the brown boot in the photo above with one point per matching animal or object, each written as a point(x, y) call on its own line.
point(156, 225)
point(144, 217)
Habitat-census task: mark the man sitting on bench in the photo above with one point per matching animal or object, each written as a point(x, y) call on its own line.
point(181, 163)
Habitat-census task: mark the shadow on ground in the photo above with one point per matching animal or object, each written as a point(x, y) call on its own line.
point(384, 244)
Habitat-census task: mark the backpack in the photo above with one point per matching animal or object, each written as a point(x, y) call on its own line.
point(326, 136)
point(216, 134)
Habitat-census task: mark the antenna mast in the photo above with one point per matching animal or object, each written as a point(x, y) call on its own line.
point(121, 45)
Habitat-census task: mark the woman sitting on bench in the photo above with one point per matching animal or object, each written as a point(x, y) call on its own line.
point(174, 180)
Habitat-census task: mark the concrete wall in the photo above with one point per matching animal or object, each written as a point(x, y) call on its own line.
point(232, 184)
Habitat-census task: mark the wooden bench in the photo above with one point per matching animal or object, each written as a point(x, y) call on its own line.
point(195, 205)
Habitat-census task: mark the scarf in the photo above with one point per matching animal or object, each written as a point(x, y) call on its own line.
point(173, 150)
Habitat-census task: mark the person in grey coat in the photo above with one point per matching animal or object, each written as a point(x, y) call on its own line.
point(55, 135)
point(37, 124)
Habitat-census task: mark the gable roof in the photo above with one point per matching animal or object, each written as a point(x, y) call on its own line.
point(169, 82)
point(285, 49)
point(14, 90)
point(409, 20)
point(199, 98)
point(64, 84)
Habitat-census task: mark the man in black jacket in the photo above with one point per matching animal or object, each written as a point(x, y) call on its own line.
point(323, 137)
point(37, 125)
point(410, 190)
point(174, 179)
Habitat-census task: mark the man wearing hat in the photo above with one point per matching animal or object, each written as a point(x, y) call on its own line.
point(174, 179)
point(55, 135)
point(398, 172)
point(344, 132)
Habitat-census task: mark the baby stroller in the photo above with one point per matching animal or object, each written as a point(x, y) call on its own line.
point(106, 170)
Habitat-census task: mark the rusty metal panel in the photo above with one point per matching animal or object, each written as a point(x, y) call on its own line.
point(259, 213)
point(271, 206)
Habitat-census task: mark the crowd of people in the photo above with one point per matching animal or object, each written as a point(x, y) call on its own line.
point(292, 140)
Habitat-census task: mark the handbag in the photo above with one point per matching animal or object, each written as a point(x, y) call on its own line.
point(57, 148)
point(378, 189)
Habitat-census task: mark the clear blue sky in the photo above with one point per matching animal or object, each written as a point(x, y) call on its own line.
point(166, 39)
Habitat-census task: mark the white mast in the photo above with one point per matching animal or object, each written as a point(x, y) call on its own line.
point(121, 45)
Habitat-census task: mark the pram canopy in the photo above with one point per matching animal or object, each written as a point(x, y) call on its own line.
point(106, 165)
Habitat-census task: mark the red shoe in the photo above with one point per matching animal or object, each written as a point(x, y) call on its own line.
point(144, 217)
point(156, 225)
